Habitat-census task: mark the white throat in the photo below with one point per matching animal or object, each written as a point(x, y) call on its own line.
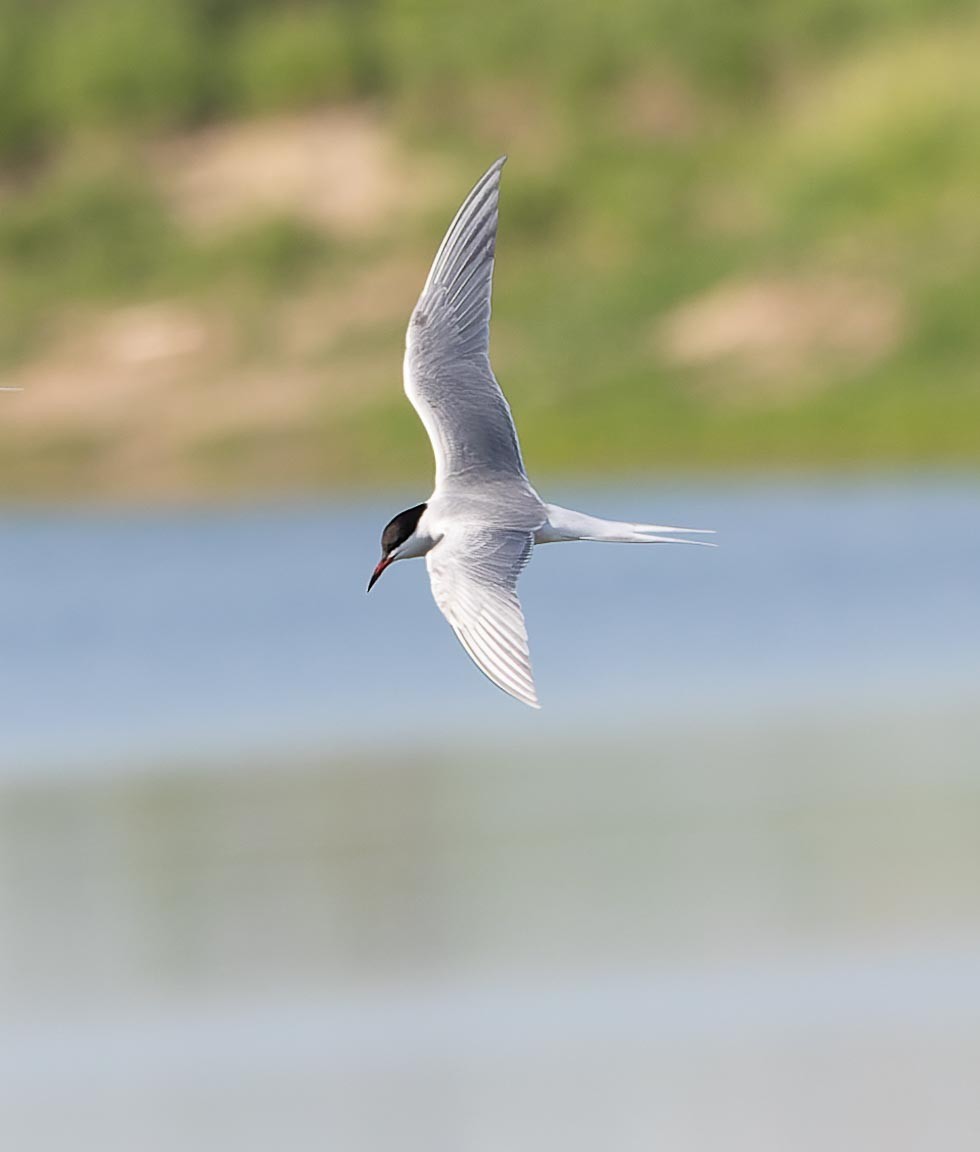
point(421, 541)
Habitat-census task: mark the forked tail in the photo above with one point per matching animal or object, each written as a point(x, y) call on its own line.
point(564, 524)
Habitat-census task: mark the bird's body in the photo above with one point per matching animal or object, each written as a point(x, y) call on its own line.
point(481, 522)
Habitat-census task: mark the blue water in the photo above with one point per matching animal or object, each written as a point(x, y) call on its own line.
point(131, 638)
point(279, 868)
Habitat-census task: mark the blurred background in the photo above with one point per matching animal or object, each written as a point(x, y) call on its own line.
point(277, 867)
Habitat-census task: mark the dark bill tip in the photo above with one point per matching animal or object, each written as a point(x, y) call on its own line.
point(382, 565)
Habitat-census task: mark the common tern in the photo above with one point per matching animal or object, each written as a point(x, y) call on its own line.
point(478, 527)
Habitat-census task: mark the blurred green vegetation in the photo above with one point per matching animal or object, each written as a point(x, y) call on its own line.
point(660, 149)
point(138, 65)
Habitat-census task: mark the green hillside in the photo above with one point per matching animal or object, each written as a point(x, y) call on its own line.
point(732, 236)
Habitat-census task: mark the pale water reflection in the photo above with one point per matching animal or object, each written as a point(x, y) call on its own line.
point(723, 892)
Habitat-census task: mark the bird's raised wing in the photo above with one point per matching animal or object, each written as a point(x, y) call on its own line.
point(474, 574)
point(448, 377)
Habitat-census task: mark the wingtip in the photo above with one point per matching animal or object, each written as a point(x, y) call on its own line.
point(525, 696)
point(495, 168)
point(521, 695)
point(531, 698)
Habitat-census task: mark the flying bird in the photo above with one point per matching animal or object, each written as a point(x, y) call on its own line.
point(478, 527)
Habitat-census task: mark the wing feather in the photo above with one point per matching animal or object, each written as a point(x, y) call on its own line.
point(474, 574)
point(448, 377)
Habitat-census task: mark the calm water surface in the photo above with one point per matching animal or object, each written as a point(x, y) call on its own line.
point(279, 869)
point(134, 638)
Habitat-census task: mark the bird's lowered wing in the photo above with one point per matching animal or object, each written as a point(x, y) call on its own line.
point(474, 574)
point(447, 372)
